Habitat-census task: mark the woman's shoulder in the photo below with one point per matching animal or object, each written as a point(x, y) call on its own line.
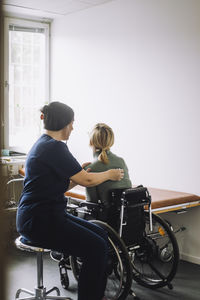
point(97, 166)
point(114, 157)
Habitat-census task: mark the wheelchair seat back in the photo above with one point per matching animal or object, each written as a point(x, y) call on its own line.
point(134, 200)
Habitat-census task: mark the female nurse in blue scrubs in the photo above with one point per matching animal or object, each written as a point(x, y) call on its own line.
point(50, 171)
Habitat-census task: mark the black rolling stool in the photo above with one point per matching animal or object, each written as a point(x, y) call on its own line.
point(40, 292)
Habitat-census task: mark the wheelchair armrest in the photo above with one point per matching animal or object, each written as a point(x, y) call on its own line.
point(84, 203)
point(76, 201)
point(89, 205)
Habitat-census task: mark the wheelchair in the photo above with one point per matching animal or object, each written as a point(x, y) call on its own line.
point(142, 245)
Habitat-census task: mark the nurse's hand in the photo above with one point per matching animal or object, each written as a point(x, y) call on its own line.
point(84, 165)
point(116, 174)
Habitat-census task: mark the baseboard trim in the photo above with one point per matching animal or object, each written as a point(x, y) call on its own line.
point(190, 258)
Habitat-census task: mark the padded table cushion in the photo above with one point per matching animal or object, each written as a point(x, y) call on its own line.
point(160, 198)
point(163, 198)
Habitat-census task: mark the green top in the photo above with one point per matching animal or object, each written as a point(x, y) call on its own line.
point(101, 192)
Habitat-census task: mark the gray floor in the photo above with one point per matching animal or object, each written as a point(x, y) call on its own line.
point(22, 273)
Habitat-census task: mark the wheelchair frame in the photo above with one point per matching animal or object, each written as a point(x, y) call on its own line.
point(158, 232)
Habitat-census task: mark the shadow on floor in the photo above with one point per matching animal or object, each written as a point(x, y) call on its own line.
point(21, 272)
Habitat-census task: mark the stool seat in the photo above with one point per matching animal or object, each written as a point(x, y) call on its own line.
point(28, 247)
point(40, 292)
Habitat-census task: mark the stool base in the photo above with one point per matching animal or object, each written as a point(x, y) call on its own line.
point(40, 294)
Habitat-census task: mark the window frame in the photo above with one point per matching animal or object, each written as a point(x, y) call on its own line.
point(24, 23)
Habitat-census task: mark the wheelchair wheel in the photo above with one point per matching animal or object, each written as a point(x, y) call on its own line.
point(155, 261)
point(119, 271)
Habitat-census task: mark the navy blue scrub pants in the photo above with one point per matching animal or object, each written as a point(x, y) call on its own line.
point(74, 236)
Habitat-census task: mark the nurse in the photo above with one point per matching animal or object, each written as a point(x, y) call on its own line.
point(50, 171)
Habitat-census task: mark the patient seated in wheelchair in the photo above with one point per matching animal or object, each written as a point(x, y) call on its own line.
point(101, 140)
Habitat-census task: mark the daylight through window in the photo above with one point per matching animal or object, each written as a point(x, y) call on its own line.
point(27, 83)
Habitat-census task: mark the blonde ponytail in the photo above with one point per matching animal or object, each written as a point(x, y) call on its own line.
point(102, 138)
point(103, 157)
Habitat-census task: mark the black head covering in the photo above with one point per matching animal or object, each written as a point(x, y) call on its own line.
point(57, 115)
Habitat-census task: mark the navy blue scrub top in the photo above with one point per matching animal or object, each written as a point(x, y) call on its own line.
point(48, 169)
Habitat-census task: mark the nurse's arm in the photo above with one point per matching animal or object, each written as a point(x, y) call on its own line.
point(72, 184)
point(91, 179)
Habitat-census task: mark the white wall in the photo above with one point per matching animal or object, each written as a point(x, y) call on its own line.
point(135, 64)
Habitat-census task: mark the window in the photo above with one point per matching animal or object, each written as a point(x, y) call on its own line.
point(26, 81)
